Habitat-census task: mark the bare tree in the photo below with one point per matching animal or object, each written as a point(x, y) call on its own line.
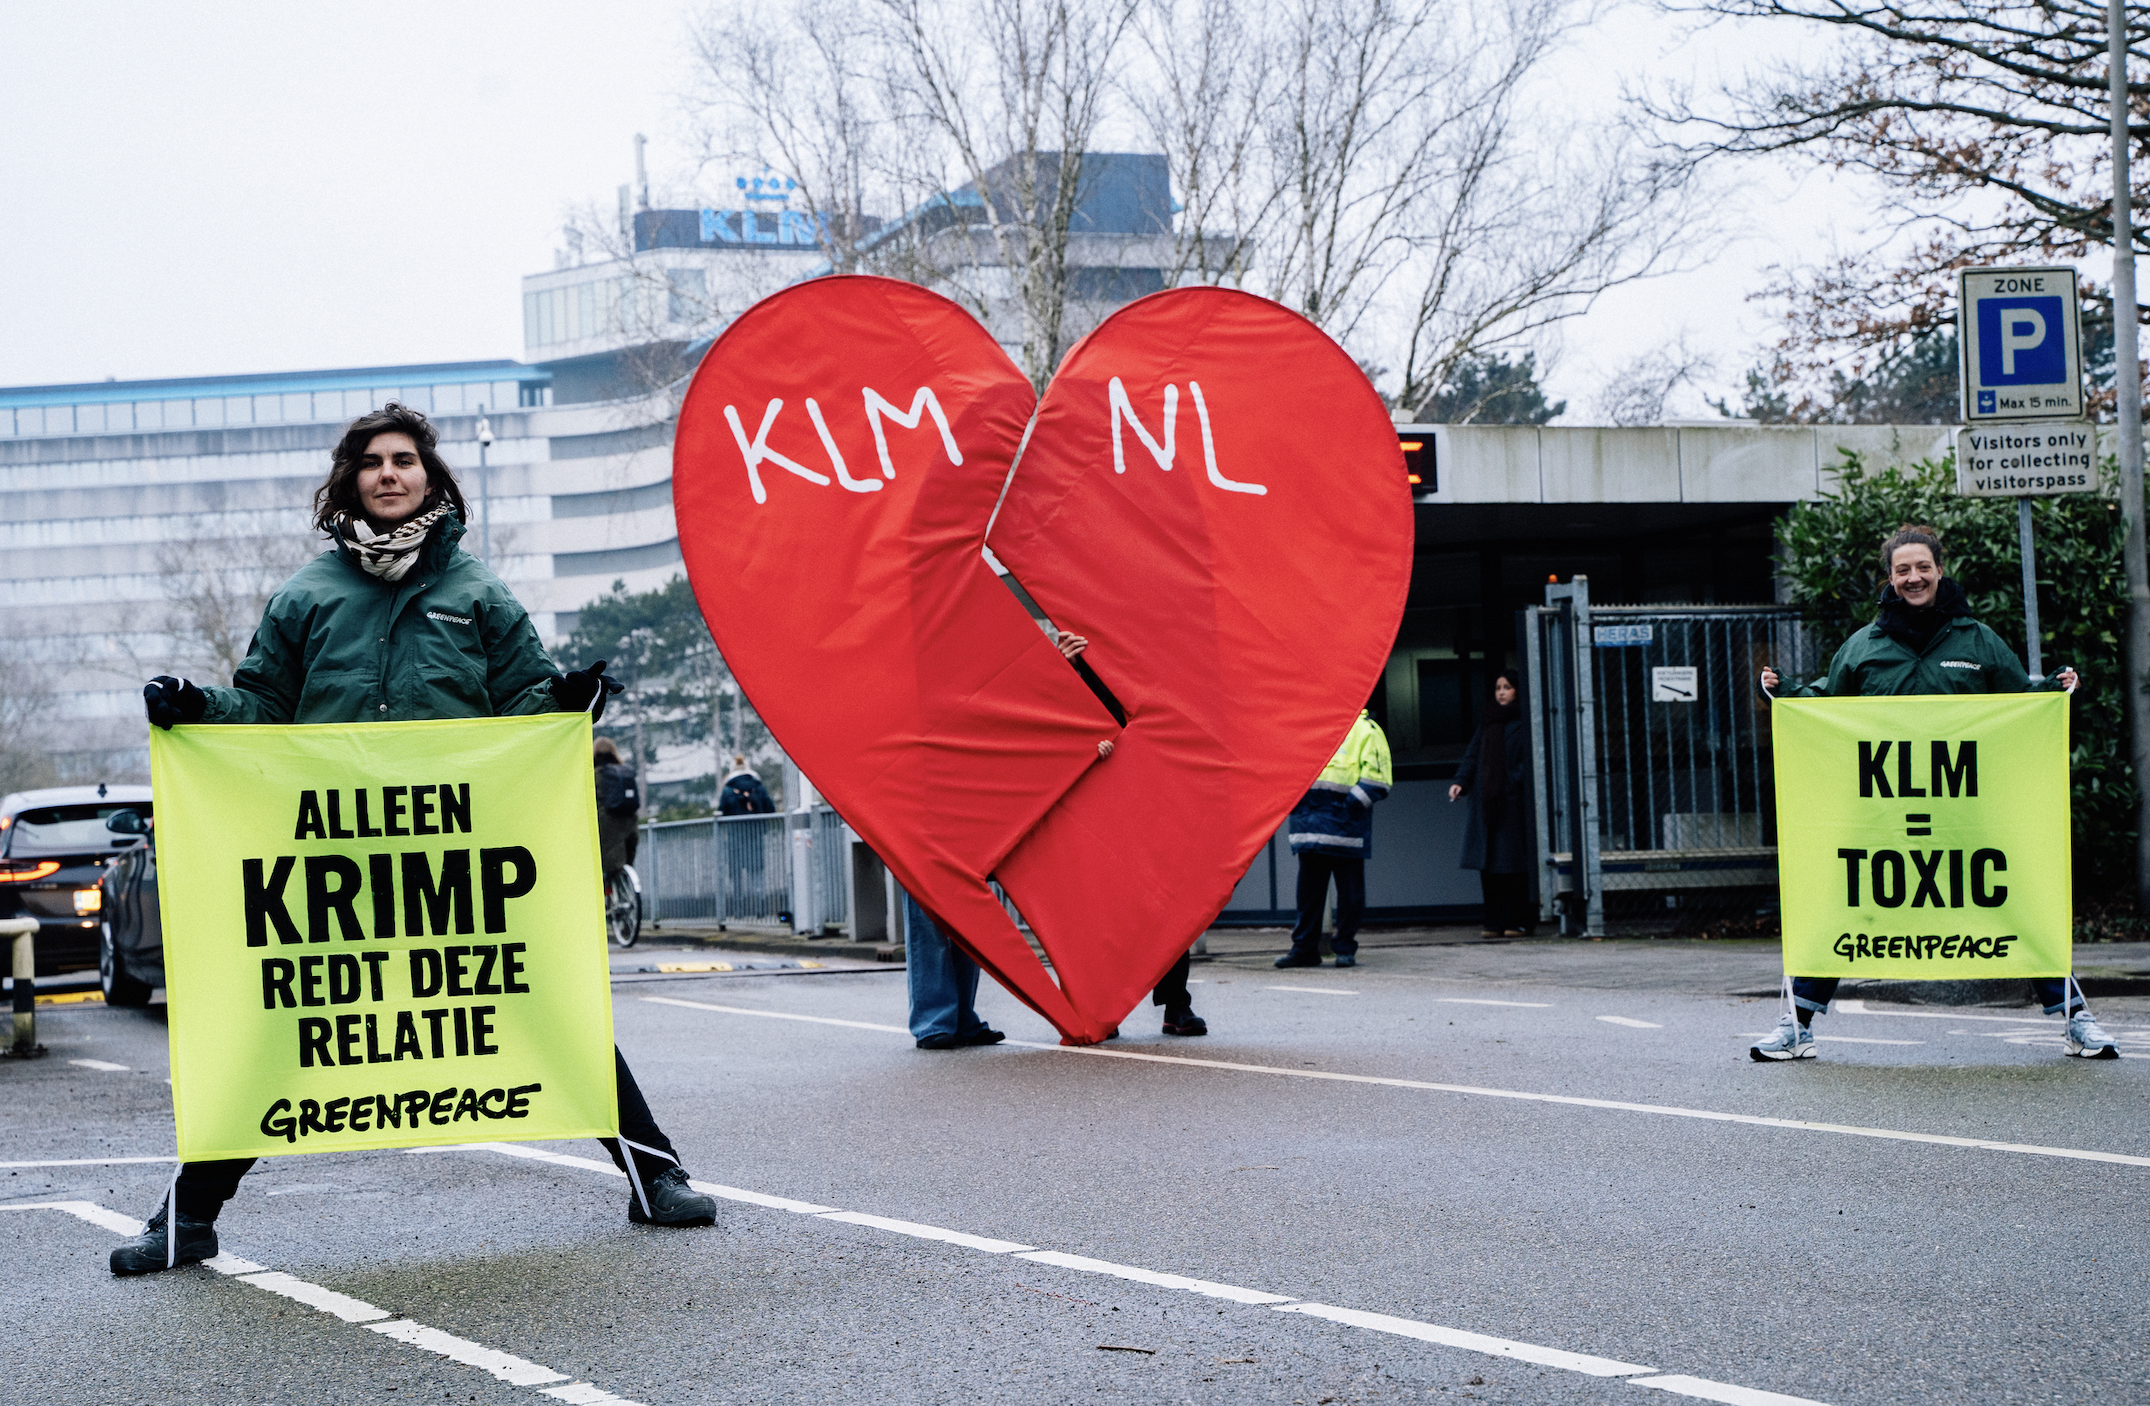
point(1636, 394)
point(218, 581)
point(26, 731)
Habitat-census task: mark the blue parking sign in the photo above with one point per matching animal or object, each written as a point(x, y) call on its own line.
point(2020, 342)
point(2020, 345)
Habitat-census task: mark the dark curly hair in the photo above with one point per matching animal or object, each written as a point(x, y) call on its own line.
point(339, 494)
point(1911, 534)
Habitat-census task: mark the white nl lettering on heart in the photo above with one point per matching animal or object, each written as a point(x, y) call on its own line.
point(757, 452)
point(1124, 409)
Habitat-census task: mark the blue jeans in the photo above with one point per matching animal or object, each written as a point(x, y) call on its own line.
point(1814, 993)
point(944, 981)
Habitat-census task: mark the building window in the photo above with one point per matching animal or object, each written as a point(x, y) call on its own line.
point(686, 293)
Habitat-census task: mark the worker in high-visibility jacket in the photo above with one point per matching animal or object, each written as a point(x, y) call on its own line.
point(1332, 832)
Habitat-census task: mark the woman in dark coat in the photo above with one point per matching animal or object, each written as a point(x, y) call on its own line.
point(394, 622)
point(1495, 774)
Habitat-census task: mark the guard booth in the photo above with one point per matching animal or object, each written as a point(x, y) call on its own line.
point(1651, 762)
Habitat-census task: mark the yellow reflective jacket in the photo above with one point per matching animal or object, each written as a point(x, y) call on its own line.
point(1336, 816)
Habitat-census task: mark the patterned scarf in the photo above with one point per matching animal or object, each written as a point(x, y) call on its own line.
point(388, 555)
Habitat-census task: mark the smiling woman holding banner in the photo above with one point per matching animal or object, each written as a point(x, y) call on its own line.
point(1923, 641)
point(396, 623)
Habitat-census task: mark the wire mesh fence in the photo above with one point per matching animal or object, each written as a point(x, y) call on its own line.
point(1657, 794)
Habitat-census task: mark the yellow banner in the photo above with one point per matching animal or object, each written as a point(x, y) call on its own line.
point(1924, 837)
point(382, 935)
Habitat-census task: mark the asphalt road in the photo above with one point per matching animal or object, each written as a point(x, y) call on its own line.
point(1602, 1236)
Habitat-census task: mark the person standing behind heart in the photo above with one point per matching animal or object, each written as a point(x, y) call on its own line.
point(1332, 832)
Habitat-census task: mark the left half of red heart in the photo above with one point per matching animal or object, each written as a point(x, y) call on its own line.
point(838, 458)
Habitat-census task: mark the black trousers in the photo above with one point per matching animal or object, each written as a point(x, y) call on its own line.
point(1507, 901)
point(1171, 992)
point(1316, 869)
point(204, 1187)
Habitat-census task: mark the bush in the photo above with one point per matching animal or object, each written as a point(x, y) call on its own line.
point(1829, 558)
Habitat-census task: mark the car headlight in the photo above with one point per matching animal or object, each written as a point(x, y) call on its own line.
point(89, 901)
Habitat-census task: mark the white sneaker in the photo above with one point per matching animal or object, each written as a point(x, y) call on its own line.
point(2087, 1040)
point(1790, 1040)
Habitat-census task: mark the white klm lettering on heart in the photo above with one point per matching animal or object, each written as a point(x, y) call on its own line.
point(757, 452)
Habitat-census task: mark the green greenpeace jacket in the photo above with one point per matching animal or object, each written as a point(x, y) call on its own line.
point(1962, 657)
point(337, 645)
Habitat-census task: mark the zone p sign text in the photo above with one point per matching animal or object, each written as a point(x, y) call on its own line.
point(2021, 346)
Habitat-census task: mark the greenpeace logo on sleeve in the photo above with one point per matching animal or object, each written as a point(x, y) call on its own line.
point(444, 615)
point(1946, 663)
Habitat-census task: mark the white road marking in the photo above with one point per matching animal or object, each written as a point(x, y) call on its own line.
point(1863, 1040)
point(1860, 1007)
point(1282, 1303)
point(88, 1161)
point(1472, 1342)
point(1313, 990)
point(591, 1164)
point(102, 1064)
point(343, 1306)
point(1209, 1288)
point(925, 1232)
point(508, 1368)
point(1473, 1001)
point(1663, 1110)
point(775, 1015)
point(1721, 1391)
point(1630, 1022)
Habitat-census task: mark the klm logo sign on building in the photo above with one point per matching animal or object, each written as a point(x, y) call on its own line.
point(789, 227)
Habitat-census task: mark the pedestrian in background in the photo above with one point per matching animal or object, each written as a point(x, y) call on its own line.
point(619, 806)
point(743, 793)
point(395, 622)
point(1923, 640)
point(1495, 774)
point(1332, 832)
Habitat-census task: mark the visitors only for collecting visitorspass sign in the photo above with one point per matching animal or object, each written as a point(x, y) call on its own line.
point(382, 935)
point(1924, 837)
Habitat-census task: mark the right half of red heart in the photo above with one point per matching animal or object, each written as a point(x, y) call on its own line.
point(1213, 495)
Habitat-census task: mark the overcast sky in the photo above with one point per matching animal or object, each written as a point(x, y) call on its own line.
point(229, 188)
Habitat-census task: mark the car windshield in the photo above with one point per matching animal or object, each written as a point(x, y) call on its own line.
point(71, 829)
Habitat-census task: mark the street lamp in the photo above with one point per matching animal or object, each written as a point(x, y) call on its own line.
point(485, 491)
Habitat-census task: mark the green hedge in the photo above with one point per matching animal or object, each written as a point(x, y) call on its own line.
point(1829, 556)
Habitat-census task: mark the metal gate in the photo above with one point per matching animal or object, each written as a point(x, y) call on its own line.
point(1650, 751)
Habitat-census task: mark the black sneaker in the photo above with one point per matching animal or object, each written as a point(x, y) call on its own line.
point(1185, 1023)
point(1293, 959)
point(939, 1041)
point(983, 1035)
point(150, 1251)
point(671, 1201)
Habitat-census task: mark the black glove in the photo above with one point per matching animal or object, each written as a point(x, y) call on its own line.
point(574, 692)
point(171, 700)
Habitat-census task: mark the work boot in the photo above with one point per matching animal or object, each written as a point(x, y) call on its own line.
point(2086, 1039)
point(1184, 1022)
point(149, 1252)
point(1791, 1040)
point(671, 1201)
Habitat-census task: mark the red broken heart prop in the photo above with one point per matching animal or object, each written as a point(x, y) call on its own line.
point(1210, 492)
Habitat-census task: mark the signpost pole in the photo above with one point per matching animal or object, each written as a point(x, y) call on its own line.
point(2128, 409)
point(2033, 649)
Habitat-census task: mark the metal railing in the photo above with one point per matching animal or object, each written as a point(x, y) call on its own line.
point(785, 870)
point(1651, 749)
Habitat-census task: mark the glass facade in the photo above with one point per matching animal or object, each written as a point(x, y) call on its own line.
point(277, 408)
point(600, 307)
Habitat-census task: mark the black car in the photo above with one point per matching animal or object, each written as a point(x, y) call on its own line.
point(130, 953)
point(54, 845)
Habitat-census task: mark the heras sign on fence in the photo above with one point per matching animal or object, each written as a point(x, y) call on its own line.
point(382, 935)
point(2022, 356)
point(1924, 837)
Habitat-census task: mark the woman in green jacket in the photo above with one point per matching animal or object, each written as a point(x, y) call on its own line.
point(1922, 641)
point(394, 623)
